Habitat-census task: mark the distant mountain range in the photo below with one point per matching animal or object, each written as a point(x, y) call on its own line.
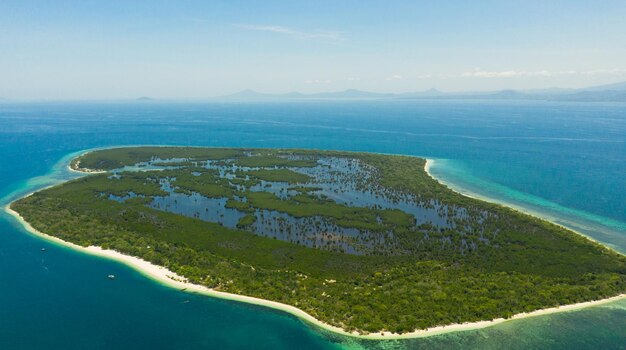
point(601, 93)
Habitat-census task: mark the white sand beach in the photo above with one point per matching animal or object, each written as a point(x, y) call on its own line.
point(75, 167)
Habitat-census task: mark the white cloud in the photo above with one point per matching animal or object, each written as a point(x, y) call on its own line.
point(479, 73)
point(318, 34)
point(395, 77)
point(613, 71)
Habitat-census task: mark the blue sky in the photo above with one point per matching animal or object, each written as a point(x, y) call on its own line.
point(197, 49)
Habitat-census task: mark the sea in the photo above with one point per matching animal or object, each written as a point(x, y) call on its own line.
point(565, 162)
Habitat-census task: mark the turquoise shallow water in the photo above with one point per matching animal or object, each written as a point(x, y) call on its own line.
point(565, 161)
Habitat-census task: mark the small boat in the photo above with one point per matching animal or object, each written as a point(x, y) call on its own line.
point(111, 277)
point(43, 249)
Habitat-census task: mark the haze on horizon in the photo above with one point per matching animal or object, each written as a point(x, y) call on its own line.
point(199, 49)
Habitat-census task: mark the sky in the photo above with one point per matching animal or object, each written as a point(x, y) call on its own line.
point(76, 50)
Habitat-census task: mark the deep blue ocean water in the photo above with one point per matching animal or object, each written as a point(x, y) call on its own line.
point(564, 161)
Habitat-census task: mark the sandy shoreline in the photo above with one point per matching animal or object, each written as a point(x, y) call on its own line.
point(427, 165)
point(535, 214)
point(80, 170)
point(171, 279)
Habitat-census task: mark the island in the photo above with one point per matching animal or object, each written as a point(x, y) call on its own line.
point(364, 243)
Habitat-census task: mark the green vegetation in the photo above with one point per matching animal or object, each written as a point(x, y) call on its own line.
point(477, 261)
point(281, 175)
point(272, 160)
point(206, 184)
point(246, 221)
point(241, 206)
point(114, 158)
point(302, 205)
